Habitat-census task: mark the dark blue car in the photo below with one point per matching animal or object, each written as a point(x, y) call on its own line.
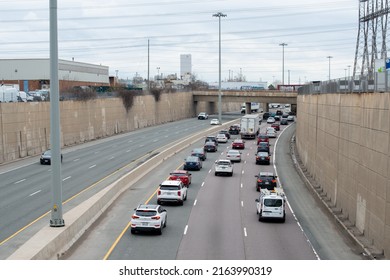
point(192, 163)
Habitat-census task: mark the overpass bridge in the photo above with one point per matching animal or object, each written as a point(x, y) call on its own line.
point(242, 96)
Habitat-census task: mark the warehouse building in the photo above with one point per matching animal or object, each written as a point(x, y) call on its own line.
point(34, 74)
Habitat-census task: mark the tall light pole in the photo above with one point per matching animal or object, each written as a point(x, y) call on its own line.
point(329, 57)
point(349, 71)
point(55, 123)
point(158, 73)
point(219, 15)
point(283, 45)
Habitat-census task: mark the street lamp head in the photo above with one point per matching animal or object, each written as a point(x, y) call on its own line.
point(219, 15)
point(283, 44)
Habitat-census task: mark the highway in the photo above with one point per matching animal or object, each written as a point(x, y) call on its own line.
point(218, 220)
point(25, 191)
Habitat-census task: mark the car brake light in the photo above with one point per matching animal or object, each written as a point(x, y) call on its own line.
point(273, 181)
point(179, 193)
point(159, 192)
point(260, 181)
point(267, 157)
point(134, 217)
point(156, 218)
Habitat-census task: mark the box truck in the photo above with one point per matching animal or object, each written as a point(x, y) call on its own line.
point(8, 94)
point(249, 126)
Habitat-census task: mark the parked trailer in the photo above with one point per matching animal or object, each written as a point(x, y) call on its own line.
point(8, 94)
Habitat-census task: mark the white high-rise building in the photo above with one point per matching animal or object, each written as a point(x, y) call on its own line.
point(185, 65)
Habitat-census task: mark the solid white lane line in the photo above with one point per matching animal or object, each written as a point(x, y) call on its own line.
point(35, 193)
point(202, 184)
point(245, 232)
point(242, 172)
point(195, 202)
point(185, 230)
point(17, 182)
point(241, 185)
point(67, 178)
point(111, 158)
point(242, 203)
point(92, 166)
point(77, 159)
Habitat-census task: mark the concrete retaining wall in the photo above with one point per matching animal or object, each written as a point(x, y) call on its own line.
point(25, 127)
point(343, 141)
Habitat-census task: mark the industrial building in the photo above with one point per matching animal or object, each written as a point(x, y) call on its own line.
point(34, 74)
point(185, 65)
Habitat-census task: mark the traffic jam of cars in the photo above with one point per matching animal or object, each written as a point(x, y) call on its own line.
point(174, 190)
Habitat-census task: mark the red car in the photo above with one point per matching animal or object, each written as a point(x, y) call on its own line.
point(276, 126)
point(238, 144)
point(182, 175)
point(262, 138)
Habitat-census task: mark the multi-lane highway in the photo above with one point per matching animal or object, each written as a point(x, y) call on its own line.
point(218, 220)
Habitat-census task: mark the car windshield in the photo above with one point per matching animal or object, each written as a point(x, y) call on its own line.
point(146, 213)
point(47, 153)
point(223, 163)
point(272, 202)
point(233, 153)
point(262, 154)
point(266, 178)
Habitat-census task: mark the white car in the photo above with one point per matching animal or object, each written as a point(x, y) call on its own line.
point(149, 217)
point(203, 116)
point(223, 166)
point(172, 191)
point(270, 120)
point(290, 118)
point(214, 121)
point(233, 155)
point(221, 138)
point(271, 132)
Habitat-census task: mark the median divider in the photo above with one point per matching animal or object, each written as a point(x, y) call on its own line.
point(53, 242)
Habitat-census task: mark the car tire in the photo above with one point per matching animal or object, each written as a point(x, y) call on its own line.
point(216, 173)
point(158, 202)
point(185, 198)
point(260, 217)
point(132, 231)
point(181, 202)
point(159, 232)
point(165, 222)
point(231, 174)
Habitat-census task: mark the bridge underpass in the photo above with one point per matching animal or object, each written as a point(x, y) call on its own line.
point(228, 96)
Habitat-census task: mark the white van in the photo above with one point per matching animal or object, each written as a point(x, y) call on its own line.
point(271, 206)
point(8, 94)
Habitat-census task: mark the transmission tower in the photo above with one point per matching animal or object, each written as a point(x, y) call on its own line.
point(373, 14)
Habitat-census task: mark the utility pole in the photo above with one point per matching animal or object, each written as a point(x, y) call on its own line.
point(283, 45)
point(219, 15)
point(148, 68)
point(329, 57)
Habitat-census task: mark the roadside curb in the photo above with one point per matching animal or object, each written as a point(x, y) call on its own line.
point(297, 163)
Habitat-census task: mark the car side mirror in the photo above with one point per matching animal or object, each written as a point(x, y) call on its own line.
point(216, 161)
point(257, 200)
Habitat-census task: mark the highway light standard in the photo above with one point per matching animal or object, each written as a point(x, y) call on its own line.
point(283, 45)
point(329, 57)
point(219, 15)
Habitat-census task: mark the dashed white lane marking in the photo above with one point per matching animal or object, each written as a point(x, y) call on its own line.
point(111, 158)
point(17, 182)
point(242, 203)
point(128, 151)
point(77, 159)
point(245, 233)
point(202, 184)
point(34, 193)
point(92, 166)
point(185, 230)
point(67, 178)
point(242, 185)
point(195, 202)
point(243, 172)
point(210, 171)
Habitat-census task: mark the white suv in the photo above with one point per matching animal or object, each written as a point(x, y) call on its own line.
point(172, 191)
point(223, 166)
point(148, 217)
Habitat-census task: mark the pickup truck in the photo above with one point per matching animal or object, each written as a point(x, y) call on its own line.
point(223, 166)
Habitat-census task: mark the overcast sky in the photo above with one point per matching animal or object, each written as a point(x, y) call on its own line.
point(115, 34)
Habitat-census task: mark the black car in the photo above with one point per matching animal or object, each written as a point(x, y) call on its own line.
point(192, 163)
point(212, 139)
point(263, 158)
point(199, 152)
point(234, 130)
point(210, 147)
point(46, 157)
point(263, 147)
point(266, 115)
point(266, 180)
